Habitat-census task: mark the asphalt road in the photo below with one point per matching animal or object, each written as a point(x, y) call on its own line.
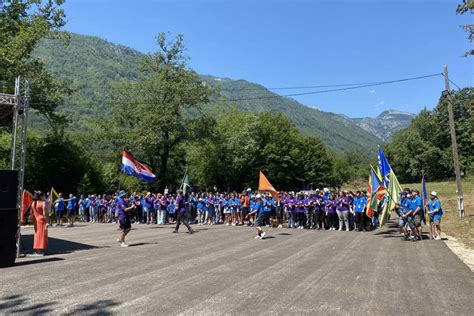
point(224, 270)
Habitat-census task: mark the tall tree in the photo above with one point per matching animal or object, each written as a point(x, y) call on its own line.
point(22, 25)
point(426, 144)
point(465, 7)
point(150, 116)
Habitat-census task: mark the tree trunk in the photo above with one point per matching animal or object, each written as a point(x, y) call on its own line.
point(163, 173)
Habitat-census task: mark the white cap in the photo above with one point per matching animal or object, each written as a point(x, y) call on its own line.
point(249, 189)
point(433, 193)
point(326, 190)
point(258, 196)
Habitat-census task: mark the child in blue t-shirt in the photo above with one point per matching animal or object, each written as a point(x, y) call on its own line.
point(260, 212)
point(435, 212)
point(171, 210)
point(200, 211)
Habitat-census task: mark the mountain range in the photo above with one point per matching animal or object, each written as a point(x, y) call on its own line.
point(385, 124)
point(92, 66)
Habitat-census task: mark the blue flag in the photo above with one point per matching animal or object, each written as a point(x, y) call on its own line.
point(384, 167)
point(424, 194)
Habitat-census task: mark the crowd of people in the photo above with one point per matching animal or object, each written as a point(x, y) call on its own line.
point(319, 209)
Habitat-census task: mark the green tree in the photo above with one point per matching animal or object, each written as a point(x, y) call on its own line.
point(426, 144)
point(242, 143)
point(467, 6)
point(150, 117)
point(22, 25)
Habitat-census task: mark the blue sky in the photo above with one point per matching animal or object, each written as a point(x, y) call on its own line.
point(300, 43)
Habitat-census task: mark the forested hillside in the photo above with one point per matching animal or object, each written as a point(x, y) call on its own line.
point(92, 66)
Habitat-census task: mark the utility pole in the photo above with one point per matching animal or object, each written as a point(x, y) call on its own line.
point(454, 144)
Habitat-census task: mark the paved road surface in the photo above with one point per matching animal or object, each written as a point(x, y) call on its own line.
point(224, 270)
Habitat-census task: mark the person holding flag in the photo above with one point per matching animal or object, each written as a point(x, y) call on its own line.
point(417, 208)
point(181, 213)
point(59, 207)
point(260, 221)
point(123, 214)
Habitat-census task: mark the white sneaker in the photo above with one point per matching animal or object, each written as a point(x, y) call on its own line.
point(257, 237)
point(227, 224)
point(347, 229)
point(437, 238)
point(123, 244)
point(263, 235)
point(339, 229)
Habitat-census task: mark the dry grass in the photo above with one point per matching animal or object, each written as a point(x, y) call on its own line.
point(460, 228)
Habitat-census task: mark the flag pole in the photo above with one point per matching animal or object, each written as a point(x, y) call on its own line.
point(184, 177)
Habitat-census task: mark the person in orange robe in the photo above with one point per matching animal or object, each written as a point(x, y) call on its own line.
point(40, 215)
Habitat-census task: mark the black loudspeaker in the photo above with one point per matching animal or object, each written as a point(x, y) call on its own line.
point(8, 189)
point(8, 216)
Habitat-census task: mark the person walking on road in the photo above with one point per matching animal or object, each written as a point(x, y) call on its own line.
point(181, 213)
point(260, 221)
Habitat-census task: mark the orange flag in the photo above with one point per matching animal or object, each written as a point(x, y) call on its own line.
point(265, 185)
point(26, 201)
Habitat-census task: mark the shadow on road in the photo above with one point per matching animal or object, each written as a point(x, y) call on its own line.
point(156, 227)
point(42, 260)
point(95, 308)
point(19, 304)
point(56, 246)
point(142, 244)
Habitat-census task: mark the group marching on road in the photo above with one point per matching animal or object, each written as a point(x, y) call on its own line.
point(319, 210)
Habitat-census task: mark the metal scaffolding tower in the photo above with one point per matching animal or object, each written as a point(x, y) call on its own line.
point(18, 105)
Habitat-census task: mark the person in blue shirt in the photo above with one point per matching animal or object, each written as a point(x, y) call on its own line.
point(417, 208)
point(200, 211)
point(87, 203)
point(235, 207)
point(409, 216)
point(435, 212)
point(210, 210)
point(260, 221)
point(402, 207)
point(82, 209)
point(360, 202)
point(171, 210)
point(267, 208)
point(71, 209)
point(59, 206)
point(227, 210)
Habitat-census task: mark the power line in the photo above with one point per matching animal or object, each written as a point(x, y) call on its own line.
point(300, 87)
point(459, 88)
point(345, 87)
point(334, 90)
